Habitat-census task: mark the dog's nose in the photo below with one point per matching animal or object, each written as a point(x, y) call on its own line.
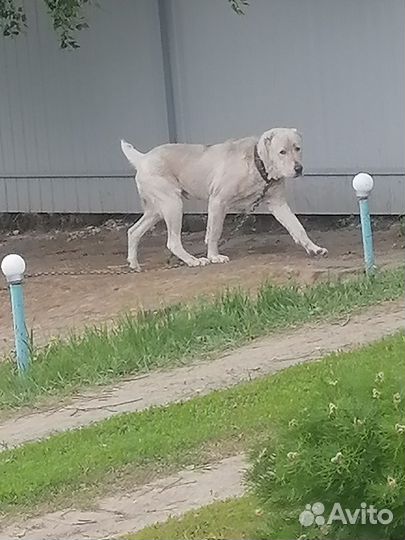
point(298, 168)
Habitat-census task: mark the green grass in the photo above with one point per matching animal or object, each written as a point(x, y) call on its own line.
point(181, 333)
point(345, 445)
point(98, 457)
point(234, 519)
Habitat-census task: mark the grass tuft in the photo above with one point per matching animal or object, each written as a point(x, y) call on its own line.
point(346, 446)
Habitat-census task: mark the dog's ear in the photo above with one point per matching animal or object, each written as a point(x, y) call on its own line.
point(295, 130)
point(269, 136)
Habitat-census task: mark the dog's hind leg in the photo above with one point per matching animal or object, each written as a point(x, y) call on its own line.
point(215, 223)
point(135, 233)
point(172, 211)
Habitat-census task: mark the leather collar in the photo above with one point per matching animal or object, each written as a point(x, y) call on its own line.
point(261, 168)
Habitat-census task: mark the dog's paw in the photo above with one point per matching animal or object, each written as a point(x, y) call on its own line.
point(135, 266)
point(198, 261)
point(218, 259)
point(317, 250)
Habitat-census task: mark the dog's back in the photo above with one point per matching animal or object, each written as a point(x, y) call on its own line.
point(191, 166)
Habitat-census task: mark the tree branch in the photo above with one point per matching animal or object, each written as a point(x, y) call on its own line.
point(67, 18)
point(238, 5)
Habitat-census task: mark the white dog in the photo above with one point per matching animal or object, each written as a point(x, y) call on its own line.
point(231, 176)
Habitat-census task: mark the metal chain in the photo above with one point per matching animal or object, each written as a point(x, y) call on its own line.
point(245, 215)
point(244, 218)
point(117, 271)
point(86, 272)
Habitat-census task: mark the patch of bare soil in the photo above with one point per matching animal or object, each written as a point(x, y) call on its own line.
point(58, 304)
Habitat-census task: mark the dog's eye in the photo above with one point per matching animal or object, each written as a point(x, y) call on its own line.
point(298, 149)
point(283, 152)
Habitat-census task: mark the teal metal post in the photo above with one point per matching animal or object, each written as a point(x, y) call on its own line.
point(13, 267)
point(367, 235)
point(20, 327)
point(363, 183)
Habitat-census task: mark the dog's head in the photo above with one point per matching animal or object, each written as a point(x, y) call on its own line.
point(281, 152)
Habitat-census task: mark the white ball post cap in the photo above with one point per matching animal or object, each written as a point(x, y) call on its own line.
point(363, 183)
point(13, 267)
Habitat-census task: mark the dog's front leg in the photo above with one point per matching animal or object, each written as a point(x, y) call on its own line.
point(215, 224)
point(282, 212)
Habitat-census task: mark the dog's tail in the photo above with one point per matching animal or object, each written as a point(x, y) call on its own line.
point(132, 155)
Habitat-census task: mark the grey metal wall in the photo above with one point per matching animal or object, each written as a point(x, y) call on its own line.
point(334, 69)
point(63, 113)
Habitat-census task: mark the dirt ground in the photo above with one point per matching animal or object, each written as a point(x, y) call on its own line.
point(58, 304)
